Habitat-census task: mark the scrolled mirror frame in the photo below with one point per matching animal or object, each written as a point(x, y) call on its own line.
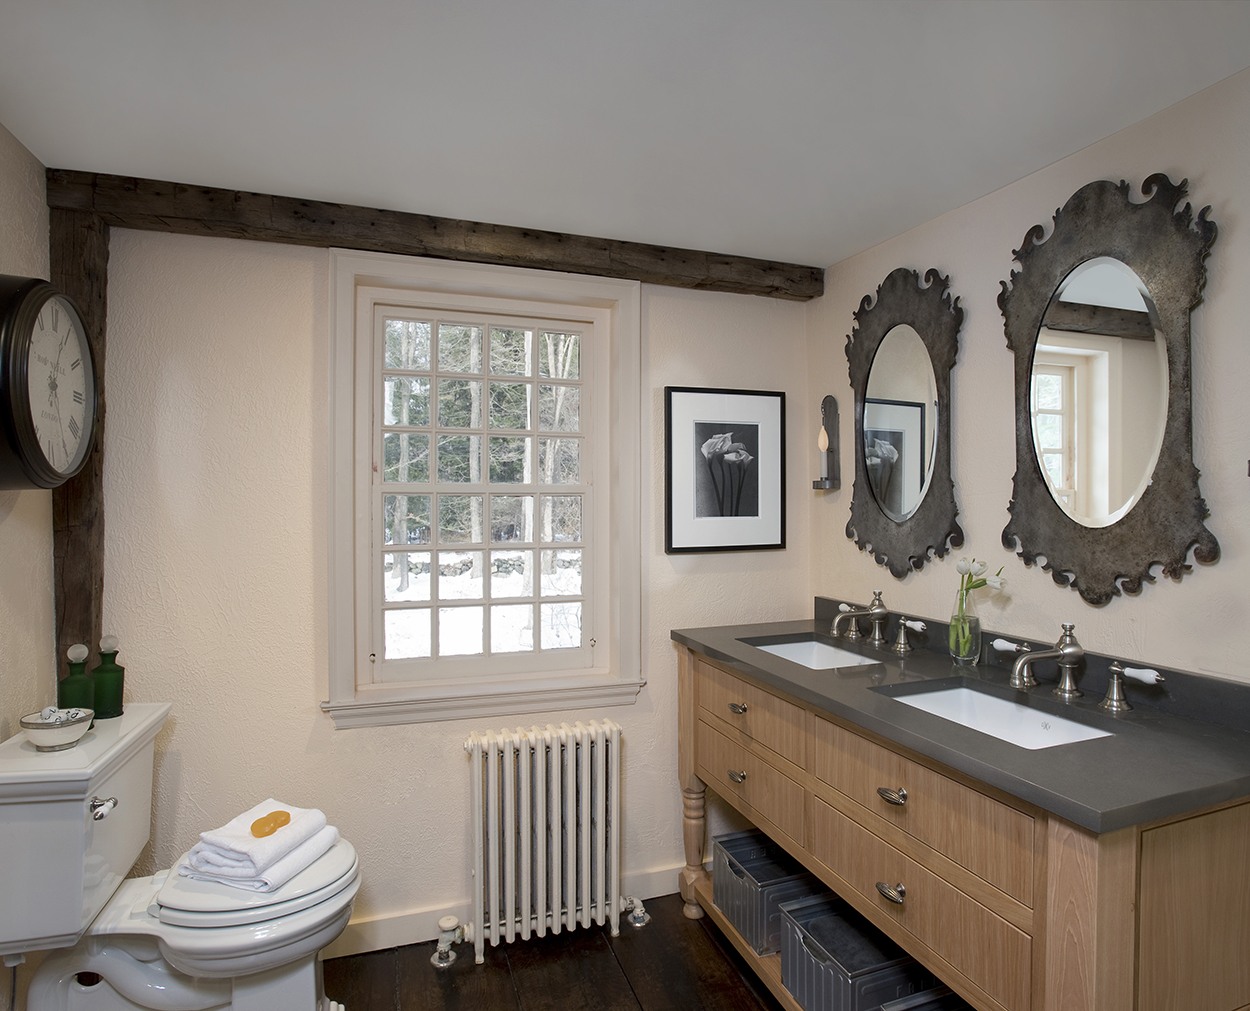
point(1167, 247)
point(936, 317)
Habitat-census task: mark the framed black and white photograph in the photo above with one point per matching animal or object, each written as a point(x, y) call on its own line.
point(725, 469)
point(894, 451)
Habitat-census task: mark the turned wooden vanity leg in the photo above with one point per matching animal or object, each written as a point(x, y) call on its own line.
point(694, 829)
point(693, 792)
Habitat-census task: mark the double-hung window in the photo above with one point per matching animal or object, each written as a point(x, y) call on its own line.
point(1052, 404)
point(485, 509)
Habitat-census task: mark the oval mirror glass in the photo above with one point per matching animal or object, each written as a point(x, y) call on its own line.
point(1098, 392)
point(900, 422)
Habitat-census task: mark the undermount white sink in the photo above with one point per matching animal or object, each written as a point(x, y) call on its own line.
point(812, 653)
point(1020, 725)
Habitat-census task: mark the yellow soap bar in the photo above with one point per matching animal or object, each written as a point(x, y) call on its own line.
point(269, 823)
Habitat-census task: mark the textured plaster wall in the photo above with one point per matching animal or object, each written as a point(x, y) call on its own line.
point(216, 519)
point(215, 568)
point(27, 641)
point(1200, 624)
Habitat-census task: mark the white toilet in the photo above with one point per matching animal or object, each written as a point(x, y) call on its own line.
point(76, 821)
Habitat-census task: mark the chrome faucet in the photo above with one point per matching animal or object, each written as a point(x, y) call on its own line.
point(876, 611)
point(1067, 651)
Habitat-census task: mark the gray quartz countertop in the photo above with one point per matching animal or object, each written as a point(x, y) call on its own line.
point(1153, 765)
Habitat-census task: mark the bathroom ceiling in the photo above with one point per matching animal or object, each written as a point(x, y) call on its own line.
point(796, 130)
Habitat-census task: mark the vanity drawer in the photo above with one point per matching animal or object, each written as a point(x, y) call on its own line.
point(763, 717)
point(981, 945)
point(741, 777)
point(991, 839)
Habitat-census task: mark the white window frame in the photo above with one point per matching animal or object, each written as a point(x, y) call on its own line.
point(359, 282)
point(1072, 487)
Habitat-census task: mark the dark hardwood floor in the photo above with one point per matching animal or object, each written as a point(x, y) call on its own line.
point(672, 962)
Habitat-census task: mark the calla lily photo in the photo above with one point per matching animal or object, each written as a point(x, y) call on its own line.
point(725, 469)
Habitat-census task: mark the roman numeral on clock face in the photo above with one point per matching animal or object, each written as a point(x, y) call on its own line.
point(73, 427)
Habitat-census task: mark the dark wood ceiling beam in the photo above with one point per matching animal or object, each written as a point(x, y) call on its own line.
point(1081, 317)
point(151, 205)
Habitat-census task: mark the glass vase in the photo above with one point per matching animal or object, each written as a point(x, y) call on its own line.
point(110, 680)
point(965, 630)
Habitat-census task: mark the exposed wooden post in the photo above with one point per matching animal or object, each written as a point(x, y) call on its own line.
point(78, 246)
point(153, 205)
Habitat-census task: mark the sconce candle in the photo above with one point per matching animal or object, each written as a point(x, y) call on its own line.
point(827, 443)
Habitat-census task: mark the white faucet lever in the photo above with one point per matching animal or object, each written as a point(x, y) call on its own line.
point(1146, 675)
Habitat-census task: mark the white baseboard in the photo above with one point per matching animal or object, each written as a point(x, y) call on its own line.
point(394, 930)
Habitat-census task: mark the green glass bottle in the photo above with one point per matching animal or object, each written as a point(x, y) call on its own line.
point(110, 679)
point(76, 690)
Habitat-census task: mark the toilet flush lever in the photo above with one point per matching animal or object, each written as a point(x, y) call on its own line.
point(100, 809)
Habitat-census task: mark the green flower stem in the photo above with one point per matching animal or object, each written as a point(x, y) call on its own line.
point(961, 630)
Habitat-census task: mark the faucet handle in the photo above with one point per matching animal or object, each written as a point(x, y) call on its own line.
point(1146, 675)
point(1004, 646)
point(901, 645)
point(1115, 702)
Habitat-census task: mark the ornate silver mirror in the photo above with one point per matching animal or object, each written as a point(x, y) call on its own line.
point(901, 352)
point(1098, 320)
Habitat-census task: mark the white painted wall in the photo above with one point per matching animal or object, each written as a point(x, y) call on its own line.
point(215, 567)
point(27, 639)
point(1201, 623)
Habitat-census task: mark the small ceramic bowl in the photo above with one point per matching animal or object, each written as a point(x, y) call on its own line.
point(46, 736)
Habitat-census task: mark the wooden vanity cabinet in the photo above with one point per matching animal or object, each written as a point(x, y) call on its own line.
point(1014, 908)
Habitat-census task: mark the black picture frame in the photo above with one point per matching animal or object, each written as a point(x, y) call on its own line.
point(724, 469)
point(901, 424)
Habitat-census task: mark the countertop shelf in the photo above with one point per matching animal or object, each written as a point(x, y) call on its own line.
point(1154, 765)
point(767, 967)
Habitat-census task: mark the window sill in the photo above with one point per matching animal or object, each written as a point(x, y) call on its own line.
point(382, 707)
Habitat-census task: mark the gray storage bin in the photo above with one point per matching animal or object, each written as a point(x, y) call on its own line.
point(751, 877)
point(832, 959)
point(939, 999)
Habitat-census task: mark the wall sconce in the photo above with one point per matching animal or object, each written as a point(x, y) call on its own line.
point(827, 444)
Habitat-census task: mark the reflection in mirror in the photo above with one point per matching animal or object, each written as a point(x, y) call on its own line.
point(1115, 508)
point(1098, 392)
point(900, 422)
point(900, 354)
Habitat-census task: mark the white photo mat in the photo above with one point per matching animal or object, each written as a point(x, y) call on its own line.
point(702, 479)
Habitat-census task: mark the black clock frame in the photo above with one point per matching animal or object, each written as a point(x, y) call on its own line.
point(22, 460)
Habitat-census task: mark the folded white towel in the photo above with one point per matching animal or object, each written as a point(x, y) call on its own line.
point(278, 873)
point(234, 851)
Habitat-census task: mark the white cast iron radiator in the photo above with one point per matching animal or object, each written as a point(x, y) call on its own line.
point(546, 814)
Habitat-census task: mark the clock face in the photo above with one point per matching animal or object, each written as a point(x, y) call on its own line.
point(60, 385)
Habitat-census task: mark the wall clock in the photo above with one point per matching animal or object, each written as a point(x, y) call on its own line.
point(48, 396)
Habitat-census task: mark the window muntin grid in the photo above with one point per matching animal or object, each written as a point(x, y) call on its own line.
point(483, 546)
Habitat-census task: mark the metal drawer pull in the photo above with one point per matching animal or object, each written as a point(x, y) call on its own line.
point(100, 808)
point(896, 797)
point(894, 893)
point(737, 776)
point(739, 708)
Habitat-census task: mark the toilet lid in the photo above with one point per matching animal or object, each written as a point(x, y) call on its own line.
point(186, 902)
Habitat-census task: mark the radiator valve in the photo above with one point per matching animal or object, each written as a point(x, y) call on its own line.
point(449, 932)
point(637, 915)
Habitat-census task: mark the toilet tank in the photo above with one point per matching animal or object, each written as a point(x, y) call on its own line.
point(59, 864)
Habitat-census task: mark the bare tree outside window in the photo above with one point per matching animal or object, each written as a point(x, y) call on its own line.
point(482, 434)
